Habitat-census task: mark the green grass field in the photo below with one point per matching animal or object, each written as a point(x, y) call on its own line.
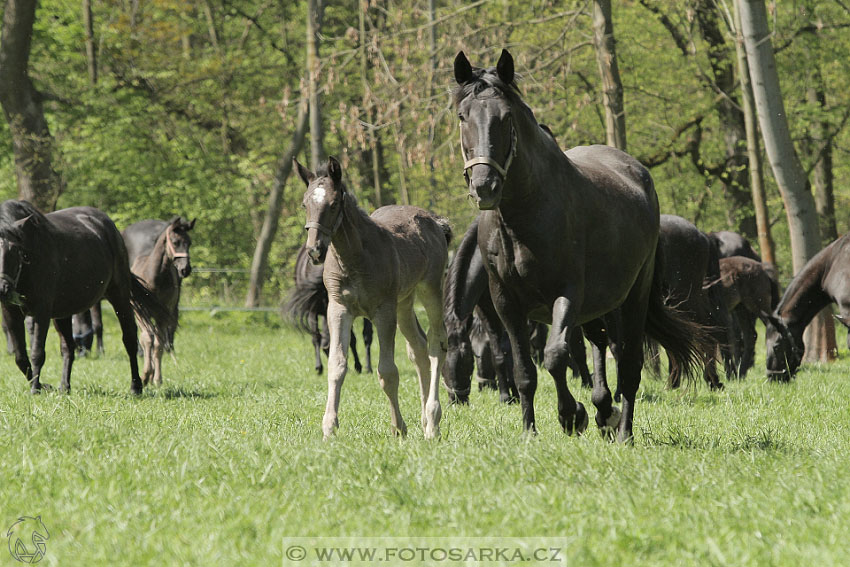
point(226, 460)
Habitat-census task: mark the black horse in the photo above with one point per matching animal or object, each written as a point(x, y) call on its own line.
point(307, 308)
point(566, 238)
point(690, 259)
point(88, 326)
point(53, 266)
point(823, 280)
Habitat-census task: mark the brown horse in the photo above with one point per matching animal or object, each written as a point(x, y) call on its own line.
point(566, 238)
point(823, 280)
point(159, 256)
point(750, 290)
point(53, 266)
point(374, 267)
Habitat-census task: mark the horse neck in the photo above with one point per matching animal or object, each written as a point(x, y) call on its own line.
point(804, 297)
point(158, 262)
point(348, 240)
point(532, 169)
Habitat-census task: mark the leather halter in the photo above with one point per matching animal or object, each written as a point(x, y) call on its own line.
point(170, 246)
point(325, 230)
point(487, 160)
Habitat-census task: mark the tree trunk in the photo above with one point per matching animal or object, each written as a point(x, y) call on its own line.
point(91, 53)
point(732, 173)
point(612, 87)
point(32, 143)
point(259, 264)
point(314, 20)
point(367, 107)
point(787, 169)
point(756, 167)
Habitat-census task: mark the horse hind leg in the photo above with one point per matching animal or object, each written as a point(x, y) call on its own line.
point(367, 344)
point(156, 354)
point(427, 358)
point(146, 342)
point(127, 320)
point(357, 366)
point(317, 340)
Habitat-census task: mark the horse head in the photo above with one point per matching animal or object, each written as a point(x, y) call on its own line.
point(324, 202)
point(17, 224)
point(459, 363)
point(488, 135)
point(178, 241)
point(784, 349)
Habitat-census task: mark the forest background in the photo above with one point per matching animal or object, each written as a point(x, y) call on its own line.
point(194, 107)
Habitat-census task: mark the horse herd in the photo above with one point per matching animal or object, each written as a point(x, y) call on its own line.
point(570, 239)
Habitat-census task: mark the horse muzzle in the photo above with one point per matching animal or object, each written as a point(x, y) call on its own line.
point(487, 192)
point(317, 253)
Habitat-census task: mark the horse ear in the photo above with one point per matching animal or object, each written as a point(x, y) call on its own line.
point(303, 172)
point(21, 223)
point(335, 171)
point(191, 224)
point(505, 67)
point(463, 69)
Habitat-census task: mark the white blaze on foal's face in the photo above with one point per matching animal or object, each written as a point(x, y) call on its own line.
point(319, 194)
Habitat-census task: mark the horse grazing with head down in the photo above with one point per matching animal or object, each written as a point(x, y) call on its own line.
point(823, 280)
point(566, 238)
point(374, 267)
point(159, 256)
point(53, 266)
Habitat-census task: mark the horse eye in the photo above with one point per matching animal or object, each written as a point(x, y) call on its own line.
point(460, 117)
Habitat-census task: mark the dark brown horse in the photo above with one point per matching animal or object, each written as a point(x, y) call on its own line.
point(53, 266)
point(566, 238)
point(307, 308)
point(159, 256)
point(747, 285)
point(823, 280)
point(376, 265)
point(690, 258)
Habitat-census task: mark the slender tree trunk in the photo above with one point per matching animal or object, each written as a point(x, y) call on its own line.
point(432, 69)
point(314, 19)
point(91, 52)
point(259, 264)
point(756, 167)
point(787, 169)
point(371, 136)
point(32, 143)
point(612, 87)
point(404, 197)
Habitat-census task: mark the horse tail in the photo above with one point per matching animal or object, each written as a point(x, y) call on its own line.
point(152, 312)
point(305, 299)
point(683, 339)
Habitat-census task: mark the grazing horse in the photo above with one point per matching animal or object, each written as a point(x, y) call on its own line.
point(690, 259)
point(823, 280)
point(53, 266)
point(566, 238)
point(374, 267)
point(159, 256)
point(748, 286)
point(308, 303)
point(740, 358)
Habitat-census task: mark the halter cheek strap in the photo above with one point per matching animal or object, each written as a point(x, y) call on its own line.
point(170, 246)
point(329, 232)
point(502, 170)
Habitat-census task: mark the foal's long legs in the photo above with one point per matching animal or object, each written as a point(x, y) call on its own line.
point(385, 322)
point(339, 325)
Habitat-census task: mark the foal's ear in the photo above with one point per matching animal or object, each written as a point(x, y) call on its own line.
point(463, 69)
point(303, 172)
point(335, 171)
point(505, 67)
point(191, 224)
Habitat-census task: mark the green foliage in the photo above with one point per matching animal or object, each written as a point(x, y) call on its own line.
point(226, 459)
point(194, 108)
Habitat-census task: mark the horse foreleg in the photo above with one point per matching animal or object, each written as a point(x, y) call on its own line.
point(607, 414)
point(578, 358)
point(437, 339)
point(40, 326)
point(357, 366)
point(316, 337)
point(68, 347)
point(13, 322)
point(339, 325)
point(501, 354)
point(556, 355)
point(97, 326)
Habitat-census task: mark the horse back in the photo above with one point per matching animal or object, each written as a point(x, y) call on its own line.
point(140, 237)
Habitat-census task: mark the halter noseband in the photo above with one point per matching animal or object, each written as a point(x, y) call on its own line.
point(487, 160)
point(325, 230)
point(170, 246)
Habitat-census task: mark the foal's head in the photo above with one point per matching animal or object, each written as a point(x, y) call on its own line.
point(784, 351)
point(177, 243)
point(485, 100)
point(324, 202)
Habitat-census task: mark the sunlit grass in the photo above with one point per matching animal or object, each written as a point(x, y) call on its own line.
point(226, 459)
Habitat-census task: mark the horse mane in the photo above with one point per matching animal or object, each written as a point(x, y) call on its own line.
point(12, 211)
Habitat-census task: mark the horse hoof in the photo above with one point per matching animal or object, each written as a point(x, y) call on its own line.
point(608, 429)
point(507, 399)
point(358, 368)
point(579, 421)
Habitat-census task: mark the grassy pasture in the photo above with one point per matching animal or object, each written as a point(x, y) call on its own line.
point(226, 459)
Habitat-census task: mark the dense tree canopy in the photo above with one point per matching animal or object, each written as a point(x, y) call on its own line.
point(194, 102)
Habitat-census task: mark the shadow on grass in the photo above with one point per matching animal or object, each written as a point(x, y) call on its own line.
point(165, 393)
point(766, 440)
